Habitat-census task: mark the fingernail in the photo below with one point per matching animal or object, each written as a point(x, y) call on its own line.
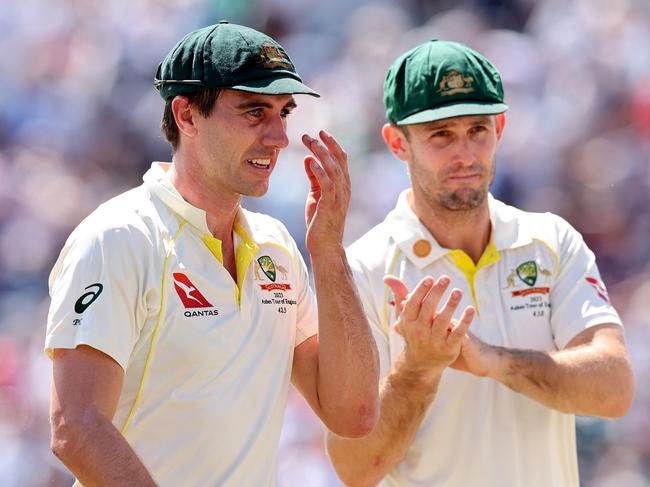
point(444, 281)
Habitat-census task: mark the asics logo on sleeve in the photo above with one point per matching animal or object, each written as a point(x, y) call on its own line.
point(188, 292)
point(88, 298)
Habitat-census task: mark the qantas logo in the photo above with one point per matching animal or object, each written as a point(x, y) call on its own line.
point(188, 292)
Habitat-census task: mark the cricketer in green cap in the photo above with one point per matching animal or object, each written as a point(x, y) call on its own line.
point(219, 296)
point(230, 56)
point(441, 79)
point(450, 255)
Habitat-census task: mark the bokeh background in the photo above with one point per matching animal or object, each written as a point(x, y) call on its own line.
point(79, 124)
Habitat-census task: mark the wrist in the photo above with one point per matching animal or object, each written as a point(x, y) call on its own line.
point(425, 375)
point(496, 362)
point(326, 252)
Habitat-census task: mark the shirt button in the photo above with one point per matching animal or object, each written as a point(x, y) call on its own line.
point(422, 248)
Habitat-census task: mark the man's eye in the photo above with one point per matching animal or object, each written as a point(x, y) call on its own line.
point(257, 112)
point(440, 133)
point(479, 128)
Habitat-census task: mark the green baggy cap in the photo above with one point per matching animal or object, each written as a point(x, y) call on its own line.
point(230, 56)
point(441, 79)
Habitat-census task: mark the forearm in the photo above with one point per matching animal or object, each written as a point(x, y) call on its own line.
point(587, 380)
point(405, 397)
point(348, 365)
point(97, 454)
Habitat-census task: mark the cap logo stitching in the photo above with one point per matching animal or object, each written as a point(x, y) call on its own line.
point(455, 82)
point(272, 57)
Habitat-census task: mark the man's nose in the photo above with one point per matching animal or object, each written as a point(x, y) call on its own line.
point(464, 154)
point(275, 134)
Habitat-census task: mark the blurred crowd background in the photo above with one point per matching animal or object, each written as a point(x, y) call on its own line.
point(79, 124)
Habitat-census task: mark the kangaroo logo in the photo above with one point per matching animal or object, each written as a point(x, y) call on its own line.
point(188, 292)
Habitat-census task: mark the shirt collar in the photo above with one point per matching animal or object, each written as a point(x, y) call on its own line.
point(507, 229)
point(158, 182)
point(416, 242)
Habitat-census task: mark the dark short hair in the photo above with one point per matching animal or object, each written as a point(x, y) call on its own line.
point(204, 100)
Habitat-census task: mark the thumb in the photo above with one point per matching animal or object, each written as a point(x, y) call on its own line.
point(400, 291)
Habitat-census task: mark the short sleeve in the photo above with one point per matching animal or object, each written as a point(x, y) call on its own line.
point(364, 284)
point(307, 312)
point(94, 290)
point(579, 298)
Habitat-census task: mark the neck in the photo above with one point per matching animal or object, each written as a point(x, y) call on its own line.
point(466, 230)
point(220, 206)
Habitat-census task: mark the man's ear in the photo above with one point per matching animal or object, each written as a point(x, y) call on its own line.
point(184, 116)
point(500, 121)
point(396, 141)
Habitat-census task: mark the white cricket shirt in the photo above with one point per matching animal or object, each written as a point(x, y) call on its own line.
point(535, 287)
point(207, 361)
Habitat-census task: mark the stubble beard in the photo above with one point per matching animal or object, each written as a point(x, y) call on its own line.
point(460, 199)
point(464, 199)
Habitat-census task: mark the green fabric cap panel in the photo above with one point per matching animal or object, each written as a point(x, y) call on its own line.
point(441, 79)
point(231, 56)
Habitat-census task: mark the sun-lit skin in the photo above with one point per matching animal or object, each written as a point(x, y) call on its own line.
point(233, 151)
point(451, 165)
point(452, 161)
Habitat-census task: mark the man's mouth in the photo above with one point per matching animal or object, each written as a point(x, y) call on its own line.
point(261, 163)
point(464, 177)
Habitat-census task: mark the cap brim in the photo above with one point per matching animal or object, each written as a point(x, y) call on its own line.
point(456, 110)
point(275, 86)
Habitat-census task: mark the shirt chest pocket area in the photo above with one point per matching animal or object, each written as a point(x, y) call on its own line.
point(526, 307)
point(273, 301)
point(273, 284)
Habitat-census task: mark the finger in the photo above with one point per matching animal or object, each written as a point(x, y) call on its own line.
point(427, 308)
point(433, 298)
point(313, 181)
point(307, 140)
point(321, 182)
point(414, 300)
point(337, 151)
point(325, 157)
point(461, 328)
point(398, 329)
point(399, 289)
point(443, 319)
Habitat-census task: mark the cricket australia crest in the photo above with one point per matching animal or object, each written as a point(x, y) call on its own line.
point(455, 82)
point(272, 57)
point(267, 266)
point(271, 270)
point(527, 272)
